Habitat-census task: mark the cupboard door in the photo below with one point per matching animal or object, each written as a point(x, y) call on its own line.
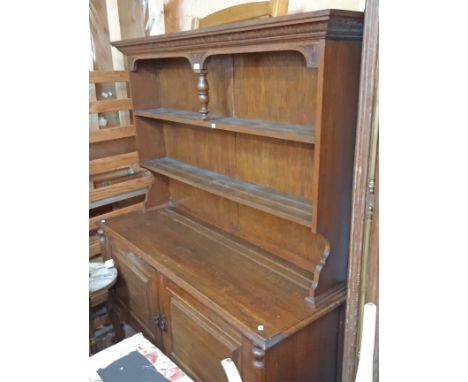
point(136, 291)
point(196, 340)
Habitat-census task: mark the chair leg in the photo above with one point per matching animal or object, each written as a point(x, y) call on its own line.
point(115, 321)
point(92, 338)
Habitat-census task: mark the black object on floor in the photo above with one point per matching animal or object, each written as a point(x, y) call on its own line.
point(131, 368)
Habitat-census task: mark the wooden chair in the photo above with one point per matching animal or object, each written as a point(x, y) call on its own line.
point(117, 184)
point(101, 280)
point(241, 12)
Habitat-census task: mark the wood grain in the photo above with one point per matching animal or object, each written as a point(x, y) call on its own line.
point(256, 75)
point(136, 207)
point(280, 165)
point(111, 133)
point(334, 155)
point(214, 150)
point(99, 166)
point(367, 93)
point(195, 251)
point(107, 105)
point(104, 149)
point(245, 226)
point(118, 188)
point(279, 204)
point(94, 247)
point(106, 76)
point(235, 13)
point(295, 133)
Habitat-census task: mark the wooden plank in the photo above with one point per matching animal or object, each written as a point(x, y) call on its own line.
point(276, 203)
point(105, 76)
point(112, 175)
point(94, 248)
point(132, 19)
point(134, 207)
point(117, 57)
point(108, 105)
point(101, 321)
point(114, 162)
point(118, 197)
point(93, 117)
point(102, 57)
point(279, 7)
point(99, 298)
point(111, 133)
point(291, 132)
point(236, 13)
point(366, 130)
point(120, 188)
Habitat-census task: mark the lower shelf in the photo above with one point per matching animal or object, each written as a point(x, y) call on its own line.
point(283, 205)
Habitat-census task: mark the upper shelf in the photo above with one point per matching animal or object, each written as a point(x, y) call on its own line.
point(296, 133)
point(276, 203)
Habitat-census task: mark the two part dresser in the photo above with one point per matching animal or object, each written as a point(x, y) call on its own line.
point(241, 252)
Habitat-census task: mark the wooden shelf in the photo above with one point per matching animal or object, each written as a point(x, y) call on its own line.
point(296, 133)
point(276, 203)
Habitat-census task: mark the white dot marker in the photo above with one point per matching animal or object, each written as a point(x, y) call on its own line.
point(260, 328)
point(213, 125)
point(196, 66)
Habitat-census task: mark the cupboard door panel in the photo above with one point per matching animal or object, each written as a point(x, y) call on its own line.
point(136, 291)
point(196, 342)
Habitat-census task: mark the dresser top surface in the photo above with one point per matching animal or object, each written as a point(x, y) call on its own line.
point(227, 274)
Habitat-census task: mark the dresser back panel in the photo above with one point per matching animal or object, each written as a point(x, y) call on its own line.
point(208, 149)
point(176, 84)
point(292, 242)
point(283, 166)
point(280, 165)
point(280, 85)
point(270, 86)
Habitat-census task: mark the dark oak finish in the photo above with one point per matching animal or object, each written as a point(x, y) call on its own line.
point(195, 337)
point(296, 133)
point(242, 251)
point(136, 289)
point(276, 203)
point(200, 265)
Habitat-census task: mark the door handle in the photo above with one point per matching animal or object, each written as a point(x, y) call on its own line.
point(160, 321)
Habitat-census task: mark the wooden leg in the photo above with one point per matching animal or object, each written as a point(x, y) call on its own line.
point(115, 320)
point(92, 339)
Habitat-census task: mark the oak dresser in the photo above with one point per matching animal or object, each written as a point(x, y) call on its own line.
point(241, 252)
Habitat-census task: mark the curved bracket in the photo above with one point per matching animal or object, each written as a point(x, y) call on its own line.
point(133, 60)
point(324, 247)
point(310, 52)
